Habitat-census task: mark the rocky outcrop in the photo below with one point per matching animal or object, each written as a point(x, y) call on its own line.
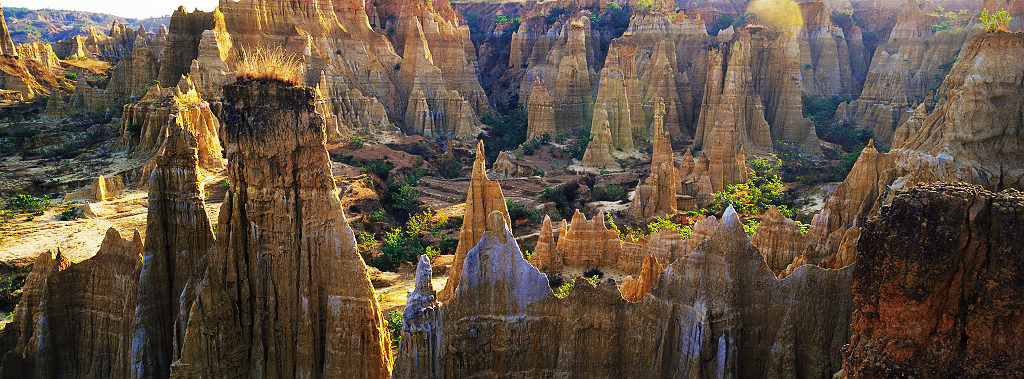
point(779, 240)
point(564, 58)
point(75, 319)
point(148, 124)
point(286, 292)
point(100, 189)
point(936, 286)
point(130, 78)
point(656, 196)
point(484, 197)
point(507, 167)
point(697, 320)
point(540, 112)
point(776, 73)
point(178, 237)
point(181, 47)
point(634, 289)
point(6, 44)
point(832, 57)
point(904, 72)
point(41, 52)
point(601, 149)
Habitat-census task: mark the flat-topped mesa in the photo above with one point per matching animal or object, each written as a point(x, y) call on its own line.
point(904, 71)
point(540, 112)
point(910, 318)
point(178, 237)
point(732, 114)
point(484, 197)
point(147, 124)
point(506, 320)
point(295, 287)
point(75, 319)
point(832, 57)
point(656, 196)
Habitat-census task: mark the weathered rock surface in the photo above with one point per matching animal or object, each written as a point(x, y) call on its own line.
point(129, 78)
point(484, 197)
point(75, 319)
point(286, 292)
point(540, 112)
point(6, 44)
point(634, 289)
point(696, 321)
point(936, 288)
point(101, 189)
point(178, 238)
point(832, 57)
point(656, 196)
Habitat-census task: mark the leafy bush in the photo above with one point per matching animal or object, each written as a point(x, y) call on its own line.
point(647, 6)
point(10, 287)
point(579, 147)
point(28, 204)
point(998, 21)
point(593, 272)
point(750, 227)
point(504, 131)
point(69, 214)
point(608, 192)
point(451, 170)
point(407, 243)
point(71, 75)
point(394, 320)
point(564, 289)
point(378, 167)
point(762, 190)
point(404, 198)
point(356, 141)
point(518, 211)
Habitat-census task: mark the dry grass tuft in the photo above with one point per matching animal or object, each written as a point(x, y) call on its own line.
point(270, 64)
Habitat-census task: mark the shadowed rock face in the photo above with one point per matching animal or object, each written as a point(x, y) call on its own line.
point(937, 286)
point(718, 311)
point(75, 319)
point(286, 293)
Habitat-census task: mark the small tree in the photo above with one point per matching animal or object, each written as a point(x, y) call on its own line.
point(999, 21)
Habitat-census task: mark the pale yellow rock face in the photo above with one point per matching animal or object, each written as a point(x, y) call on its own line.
point(39, 51)
point(101, 189)
point(732, 114)
point(483, 198)
point(831, 57)
point(600, 150)
point(75, 319)
point(544, 255)
point(6, 44)
point(776, 74)
point(286, 284)
point(587, 243)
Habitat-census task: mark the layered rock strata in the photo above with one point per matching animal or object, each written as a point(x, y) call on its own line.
point(936, 288)
point(286, 291)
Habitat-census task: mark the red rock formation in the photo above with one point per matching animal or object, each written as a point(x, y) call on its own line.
point(936, 288)
point(286, 293)
point(483, 198)
point(75, 319)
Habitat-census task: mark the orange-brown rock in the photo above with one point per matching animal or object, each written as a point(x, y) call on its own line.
point(634, 289)
point(79, 321)
point(484, 197)
point(286, 292)
point(507, 167)
point(936, 286)
point(600, 151)
point(656, 196)
point(504, 318)
point(587, 243)
point(178, 237)
point(182, 42)
point(129, 78)
point(544, 255)
point(41, 52)
point(779, 240)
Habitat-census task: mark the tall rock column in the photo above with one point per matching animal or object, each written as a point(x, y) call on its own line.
point(178, 237)
point(286, 294)
point(483, 198)
point(6, 44)
point(657, 195)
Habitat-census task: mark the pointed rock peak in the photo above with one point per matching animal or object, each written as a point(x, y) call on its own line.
point(731, 226)
point(871, 144)
point(599, 220)
point(578, 219)
point(497, 226)
point(729, 217)
point(423, 274)
point(140, 42)
point(546, 226)
point(415, 41)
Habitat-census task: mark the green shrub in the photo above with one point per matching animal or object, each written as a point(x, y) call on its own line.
point(378, 167)
point(564, 289)
point(357, 141)
point(518, 211)
point(28, 204)
point(451, 170)
point(69, 214)
point(71, 75)
point(394, 320)
point(593, 272)
point(998, 21)
point(763, 189)
point(608, 192)
point(750, 227)
point(10, 287)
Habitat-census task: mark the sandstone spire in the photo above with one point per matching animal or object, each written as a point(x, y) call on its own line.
point(732, 113)
point(600, 149)
point(178, 237)
point(657, 195)
point(421, 329)
point(540, 112)
point(483, 198)
point(544, 257)
point(286, 291)
point(6, 44)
